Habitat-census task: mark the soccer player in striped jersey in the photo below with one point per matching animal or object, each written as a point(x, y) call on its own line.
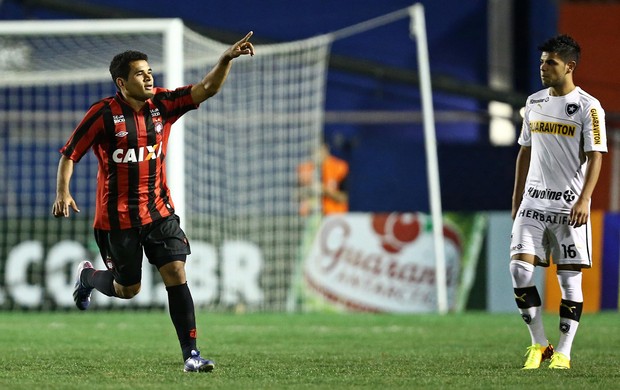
point(562, 142)
point(134, 212)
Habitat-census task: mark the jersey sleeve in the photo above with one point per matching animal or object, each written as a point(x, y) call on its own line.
point(594, 129)
point(525, 137)
point(85, 134)
point(175, 102)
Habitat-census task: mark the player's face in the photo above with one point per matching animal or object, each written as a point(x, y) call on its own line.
point(553, 70)
point(139, 84)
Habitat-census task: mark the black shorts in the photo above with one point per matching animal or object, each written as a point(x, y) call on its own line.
point(163, 241)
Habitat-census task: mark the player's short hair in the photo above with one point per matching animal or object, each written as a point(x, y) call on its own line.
point(566, 47)
point(119, 67)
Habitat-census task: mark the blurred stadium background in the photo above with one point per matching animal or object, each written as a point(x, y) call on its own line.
point(484, 63)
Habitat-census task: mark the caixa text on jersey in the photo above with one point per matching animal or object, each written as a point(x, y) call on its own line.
point(142, 153)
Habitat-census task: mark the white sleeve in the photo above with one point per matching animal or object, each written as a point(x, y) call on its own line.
point(525, 138)
point(594, 129)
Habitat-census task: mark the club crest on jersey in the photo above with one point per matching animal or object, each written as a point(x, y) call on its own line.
point(109, 263)
point(569, 196)
point(571, 109)
point(158, 127)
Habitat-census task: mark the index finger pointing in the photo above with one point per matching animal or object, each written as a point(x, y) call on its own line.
point(247, 37)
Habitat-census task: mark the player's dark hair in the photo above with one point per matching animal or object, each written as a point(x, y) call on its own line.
point(119, 67)
point(566, 47)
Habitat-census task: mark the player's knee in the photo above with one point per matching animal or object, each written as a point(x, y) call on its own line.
point(522, 273)
point(127, 292)
point(570, 285)
point(173, 273)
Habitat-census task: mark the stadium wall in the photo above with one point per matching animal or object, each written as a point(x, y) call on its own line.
point(37, 274)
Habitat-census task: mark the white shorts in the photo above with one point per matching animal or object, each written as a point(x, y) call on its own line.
point(548, 235)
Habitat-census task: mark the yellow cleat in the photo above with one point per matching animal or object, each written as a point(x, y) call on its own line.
point(536, 354)
point(559, 361)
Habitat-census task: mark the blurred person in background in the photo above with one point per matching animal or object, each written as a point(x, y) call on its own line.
point(134, 212)
point(333, 173)
point(563, 139)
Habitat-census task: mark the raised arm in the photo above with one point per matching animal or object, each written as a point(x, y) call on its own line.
point(213, 81)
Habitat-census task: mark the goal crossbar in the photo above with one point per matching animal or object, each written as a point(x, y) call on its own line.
point(88, 26)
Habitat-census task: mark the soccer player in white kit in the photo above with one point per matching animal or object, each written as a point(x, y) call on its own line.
point(562, 142)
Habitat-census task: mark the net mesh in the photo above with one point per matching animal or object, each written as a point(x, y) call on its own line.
point(242, 166)
point(241, 147)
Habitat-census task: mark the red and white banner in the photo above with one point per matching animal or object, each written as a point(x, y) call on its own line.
point(380, 262)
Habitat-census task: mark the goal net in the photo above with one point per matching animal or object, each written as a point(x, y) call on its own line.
point(233, 178)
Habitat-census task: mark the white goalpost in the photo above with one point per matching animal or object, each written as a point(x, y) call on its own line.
point(232, 164)
point(417, 30)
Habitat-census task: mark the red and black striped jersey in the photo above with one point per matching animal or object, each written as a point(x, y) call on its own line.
point(131, 148)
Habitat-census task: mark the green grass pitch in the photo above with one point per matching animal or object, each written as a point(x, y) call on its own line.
point(139, 350)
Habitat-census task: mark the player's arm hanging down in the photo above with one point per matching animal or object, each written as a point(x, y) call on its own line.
point(580, 211)
point(521, 171)
point(64, 200)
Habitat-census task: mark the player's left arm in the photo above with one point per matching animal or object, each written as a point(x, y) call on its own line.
point(213, 81)
point(64, 200)
point(580, 212)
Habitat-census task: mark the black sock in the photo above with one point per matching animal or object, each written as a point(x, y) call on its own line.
point(102, 281)
point(183, 317)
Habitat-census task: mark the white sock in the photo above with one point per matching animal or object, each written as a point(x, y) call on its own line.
point(570, 285)
point(522, 274)
point(535, 325)
point(567, 335)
